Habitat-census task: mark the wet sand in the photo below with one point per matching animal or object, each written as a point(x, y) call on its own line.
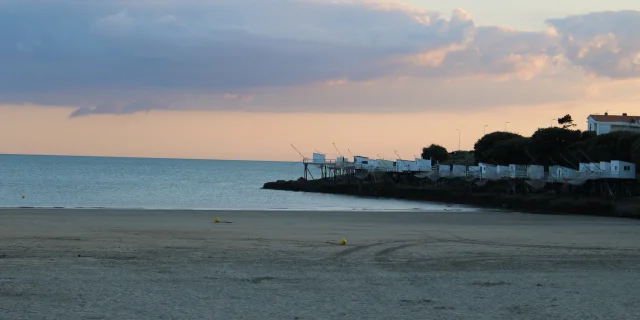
point(134, 264)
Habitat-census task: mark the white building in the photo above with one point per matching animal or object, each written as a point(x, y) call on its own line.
point(473, 171)
point(422, 165)
point(385, 165)
point(517, 171)
point(584, 167)
point(503, 171)
point(595, 167)
point(459, 170)
point(599, 170)
point(559, 173)
point(603, 124)
point(366, 163)
point(361, 162)
point(623, 170)
point(341, 162)
point(535, 172)
point(319, 158)
point(372, 165)
point(444, 170)
point(605, 167)
point(403, 165)
point(554, 172)
point(488, 171)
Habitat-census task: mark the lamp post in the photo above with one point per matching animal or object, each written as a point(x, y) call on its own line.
point(485, 129)
point(505, 126)
point(552, 120)
point(458, 139)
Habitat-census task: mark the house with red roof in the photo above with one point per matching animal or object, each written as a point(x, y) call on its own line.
point(606, 123)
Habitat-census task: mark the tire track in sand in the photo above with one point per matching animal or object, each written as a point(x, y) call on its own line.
point(383, 255)
point(349, 251)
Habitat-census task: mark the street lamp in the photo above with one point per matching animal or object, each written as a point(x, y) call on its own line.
point(458, 139)
point(505, 126)
point(552, 120)
point(485, 129)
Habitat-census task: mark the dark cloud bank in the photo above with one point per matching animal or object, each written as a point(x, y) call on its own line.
point(117, 57)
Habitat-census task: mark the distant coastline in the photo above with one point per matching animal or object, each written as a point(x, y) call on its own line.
point(530, 203)
point(557, 170)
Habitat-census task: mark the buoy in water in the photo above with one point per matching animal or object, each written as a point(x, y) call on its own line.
point(23, 196)
point(343, 242)
point(217, 220)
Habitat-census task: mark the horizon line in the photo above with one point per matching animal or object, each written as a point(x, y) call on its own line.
point(139, 157)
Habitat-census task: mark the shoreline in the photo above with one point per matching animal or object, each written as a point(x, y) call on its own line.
point(448, 209)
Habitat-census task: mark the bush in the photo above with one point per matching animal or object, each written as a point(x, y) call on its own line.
point(435, 152)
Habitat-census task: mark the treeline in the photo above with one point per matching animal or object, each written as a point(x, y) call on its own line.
point(551, 146)
point(558, 146)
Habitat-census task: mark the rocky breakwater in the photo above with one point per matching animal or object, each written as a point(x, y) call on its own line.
point(533, 203)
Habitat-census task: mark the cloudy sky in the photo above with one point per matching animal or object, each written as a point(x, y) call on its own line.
point(243, 79)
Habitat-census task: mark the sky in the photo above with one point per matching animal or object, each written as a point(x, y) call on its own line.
point(525, 14)
point(245, 79)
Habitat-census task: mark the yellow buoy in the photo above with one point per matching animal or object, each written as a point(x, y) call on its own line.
point(217, 220)
point(343, 242)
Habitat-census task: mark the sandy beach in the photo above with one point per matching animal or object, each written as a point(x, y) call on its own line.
point(136, 264)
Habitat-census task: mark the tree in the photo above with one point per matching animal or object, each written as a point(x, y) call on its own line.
point(511, 151)
point(606, 147)
point(549, 145)
point(483, 146)
point(586, 135)
point(576, 152)
point(624, 146)
point(566, 122)
point(461, 157)
point(635, 153)
point(435, 152)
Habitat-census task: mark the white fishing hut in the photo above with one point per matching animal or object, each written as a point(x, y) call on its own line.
point(473, 171)
point(623, 170)
point(444, 170)
point(535, 172)
point(503, 171)
point(386, 165)
point(584, 167)
point(421, 165)
point(459, 171)
point(360, 162)
point(605, 167)
point(567, 173)
point(488, 171)
point(319, 158)
point(517, 171)
point(342, 162)
point(403, 165)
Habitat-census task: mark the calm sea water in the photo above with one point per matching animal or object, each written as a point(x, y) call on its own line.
point(80, 182)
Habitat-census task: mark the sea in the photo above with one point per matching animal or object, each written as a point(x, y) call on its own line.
point(139, 183)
